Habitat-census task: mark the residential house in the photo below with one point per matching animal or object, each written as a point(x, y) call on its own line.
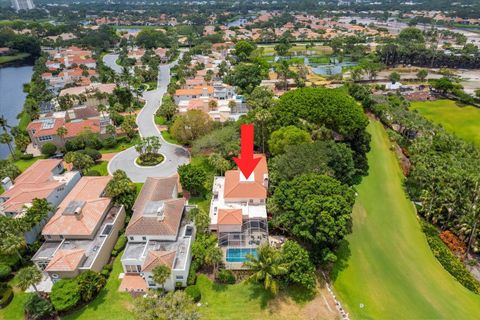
point(82, 233)
point(238, 212)
point(158, 233)
point(45, 179)
point(75, 121)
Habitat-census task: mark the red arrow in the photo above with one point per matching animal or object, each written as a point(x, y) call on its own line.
point(246, 163)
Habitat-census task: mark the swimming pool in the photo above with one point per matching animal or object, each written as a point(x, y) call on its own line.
point(239, 254)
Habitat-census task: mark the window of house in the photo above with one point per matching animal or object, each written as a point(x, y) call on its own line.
point(60, 189)
point(151, 284)
point(144, 238)
point(45, 138)
point(179, 277)
point(131, 238)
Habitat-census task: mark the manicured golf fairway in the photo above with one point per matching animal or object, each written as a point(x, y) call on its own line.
point(462, 121)
point(391, 270)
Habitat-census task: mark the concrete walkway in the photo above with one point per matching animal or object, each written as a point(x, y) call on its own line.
point(174, 155)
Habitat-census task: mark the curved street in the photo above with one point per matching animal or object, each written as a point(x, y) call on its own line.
point(174, 155)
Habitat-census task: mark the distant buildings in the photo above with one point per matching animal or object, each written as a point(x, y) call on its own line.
point(22, 4)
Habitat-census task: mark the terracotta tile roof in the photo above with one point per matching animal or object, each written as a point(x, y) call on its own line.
point(155, 258)
point(35, 182)
point(75, 127)
point(66, 260)
point(145, 224)
point(255, 189)
point(133, 282)
point(87, 196)
point(155, 189)
point(230, 216)
point(102, 87)
point(195, 91)
point(41, 129)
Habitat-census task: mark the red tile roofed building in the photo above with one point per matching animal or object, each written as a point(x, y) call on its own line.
point(45, 130)
point(82, 232)
point(159, 233)
point(237, 211)
point(43, 180)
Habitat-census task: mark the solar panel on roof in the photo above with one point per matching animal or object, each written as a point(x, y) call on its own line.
point(48, 123)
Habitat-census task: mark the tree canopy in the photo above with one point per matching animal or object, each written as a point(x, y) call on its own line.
point(316, 210)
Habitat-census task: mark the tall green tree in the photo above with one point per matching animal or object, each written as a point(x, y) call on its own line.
point(267, 268)
point(161, 274)
point(29, 276)
point(121, 189)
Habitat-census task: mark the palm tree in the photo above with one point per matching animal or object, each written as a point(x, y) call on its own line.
point(213, 257)
point(12, 244)
point(62, 132)
point(161, 274)
point(266, 267)
point(6, 138)
point(262, 116)
point(29, 276)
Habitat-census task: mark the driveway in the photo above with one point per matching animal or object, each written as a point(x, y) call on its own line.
point(174, 155)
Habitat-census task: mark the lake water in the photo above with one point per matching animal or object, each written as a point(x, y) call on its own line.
point(12, 96)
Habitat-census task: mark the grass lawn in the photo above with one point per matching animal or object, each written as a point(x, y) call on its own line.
point(15, 309)
point(110, 304)
point(168, 137)
point(24, 120)
point(123, 145)
point(25, 164)
point(15, 57)
point(387, 265)
point(101, 167)
point(239, 301)
point(159, 120)
point(464, 121)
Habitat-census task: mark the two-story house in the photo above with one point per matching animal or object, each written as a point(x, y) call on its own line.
point(238, 212)
point(81, 234)
point(158, 233)
point(45, 179)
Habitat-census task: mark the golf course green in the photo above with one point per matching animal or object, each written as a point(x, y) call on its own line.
point(464, 121)
point(387, 270)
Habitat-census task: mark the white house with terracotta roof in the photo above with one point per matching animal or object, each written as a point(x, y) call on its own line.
point(45, 179)
point(238, 212)
point(81, 234)
point(158, 233)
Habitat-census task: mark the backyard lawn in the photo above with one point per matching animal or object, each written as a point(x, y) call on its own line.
point(387, 270)
point(110, 304)
point(25, 164)
point(462, 121)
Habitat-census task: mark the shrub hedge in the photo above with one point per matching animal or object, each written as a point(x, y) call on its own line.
point(65, 294)
point(448, 260)
point(226, 276)
point(6, 294)
point(194, 293)
point(4, 271)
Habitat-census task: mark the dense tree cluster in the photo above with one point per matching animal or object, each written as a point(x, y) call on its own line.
point(319, 110)
point(443, 180)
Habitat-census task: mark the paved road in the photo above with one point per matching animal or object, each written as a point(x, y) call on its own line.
point(174, 155)
point(109, 60)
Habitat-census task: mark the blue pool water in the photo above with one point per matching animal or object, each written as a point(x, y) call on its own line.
point(239, 254)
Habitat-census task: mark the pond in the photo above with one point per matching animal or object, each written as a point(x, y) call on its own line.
point(329, 69)
point(12, 96)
